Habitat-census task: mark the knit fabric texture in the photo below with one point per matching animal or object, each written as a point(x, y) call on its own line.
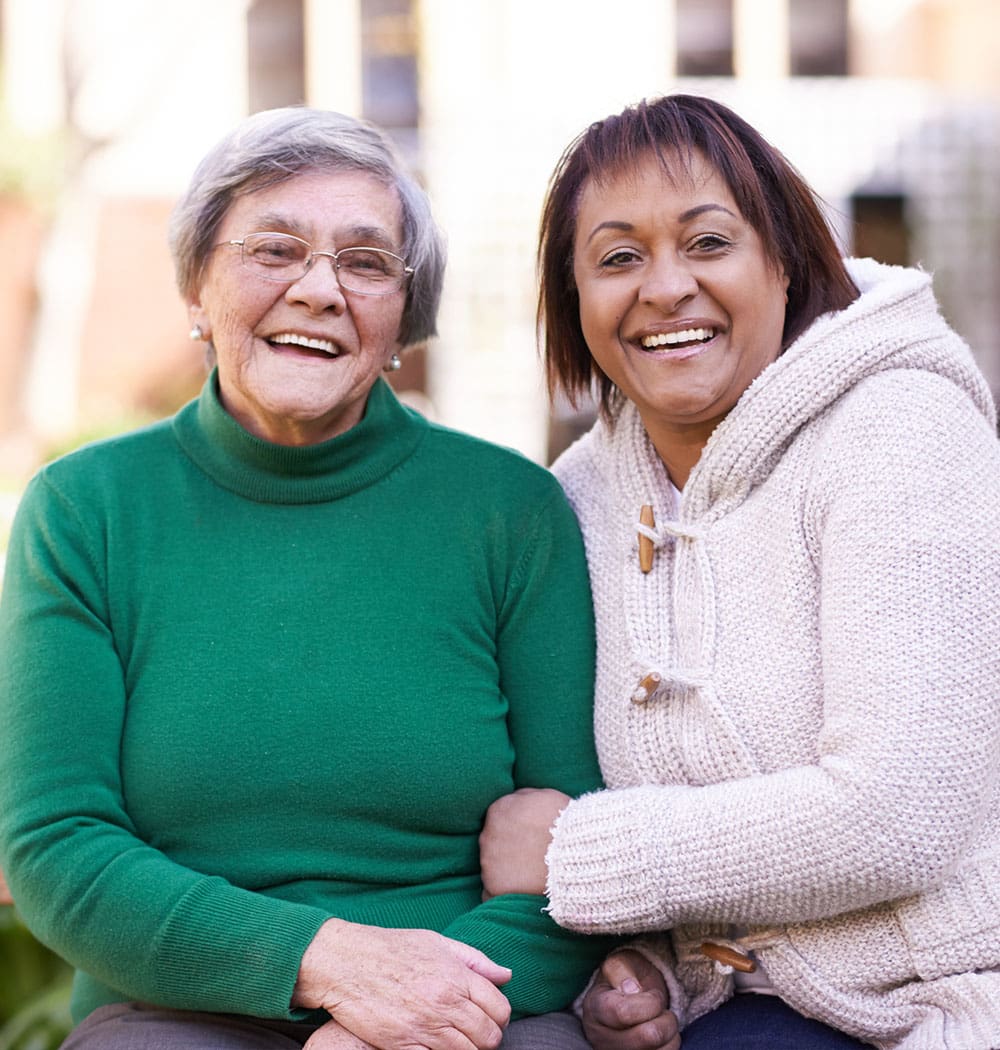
point(248, 687)
point(819, 763)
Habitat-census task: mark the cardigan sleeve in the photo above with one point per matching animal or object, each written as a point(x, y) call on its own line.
point(903, 510)
point(546, 658)
point(67, 844)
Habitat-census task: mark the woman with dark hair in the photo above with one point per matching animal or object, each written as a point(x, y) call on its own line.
point(790, 507)
point(265, 664)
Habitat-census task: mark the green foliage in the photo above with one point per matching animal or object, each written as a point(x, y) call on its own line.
point(34, 989)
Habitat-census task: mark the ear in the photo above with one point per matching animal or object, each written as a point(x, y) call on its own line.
point(197, 315)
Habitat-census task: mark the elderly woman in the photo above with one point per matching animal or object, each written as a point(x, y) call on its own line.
point(266, 663)
point(790, 508)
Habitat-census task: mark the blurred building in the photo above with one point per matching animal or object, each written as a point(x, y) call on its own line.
point(889, 108)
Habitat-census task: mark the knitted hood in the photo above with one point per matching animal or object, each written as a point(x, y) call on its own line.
point(894, 324)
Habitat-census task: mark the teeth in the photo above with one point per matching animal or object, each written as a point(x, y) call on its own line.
point(689, 335)
point(290, 339)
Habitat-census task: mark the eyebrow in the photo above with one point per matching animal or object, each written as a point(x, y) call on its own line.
point(375, 236)
point(685, 216)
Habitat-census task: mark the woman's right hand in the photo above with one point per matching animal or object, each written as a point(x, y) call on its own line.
point(404, 989)
point(627, 1006)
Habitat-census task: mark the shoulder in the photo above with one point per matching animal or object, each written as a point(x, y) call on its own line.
point(581, 467)
point(910, 448)
point(481, 465)
point(111, 461)
point(903, 412)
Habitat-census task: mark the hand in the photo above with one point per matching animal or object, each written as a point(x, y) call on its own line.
point(402, 989)
point(626, 1008)
point(515, 839)
point(334, 1036)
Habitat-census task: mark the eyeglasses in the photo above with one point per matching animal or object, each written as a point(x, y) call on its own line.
point(282, 257)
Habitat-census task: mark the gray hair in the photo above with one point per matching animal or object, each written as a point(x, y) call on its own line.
point(277, 144)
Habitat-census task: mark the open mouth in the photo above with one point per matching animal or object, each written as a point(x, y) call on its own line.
point(687, 337)
point(321, 348)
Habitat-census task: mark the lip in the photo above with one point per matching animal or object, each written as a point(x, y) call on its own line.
point(677, 340)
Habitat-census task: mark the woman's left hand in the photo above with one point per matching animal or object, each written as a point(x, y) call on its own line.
point(515, 839)
point(334, 1036)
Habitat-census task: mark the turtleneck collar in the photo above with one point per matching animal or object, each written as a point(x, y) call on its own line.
point(267, 473)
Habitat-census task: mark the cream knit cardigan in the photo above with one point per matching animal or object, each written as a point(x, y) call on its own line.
point(821, 764)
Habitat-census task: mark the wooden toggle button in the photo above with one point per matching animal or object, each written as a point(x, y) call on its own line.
point(647, 686)
point(727, 956)
point(646, 548)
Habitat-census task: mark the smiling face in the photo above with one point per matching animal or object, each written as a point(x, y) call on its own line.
point(679, 304)
point(297, 361)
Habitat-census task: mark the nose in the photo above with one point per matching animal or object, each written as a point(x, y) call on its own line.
point(667, 282)
point(319, 287)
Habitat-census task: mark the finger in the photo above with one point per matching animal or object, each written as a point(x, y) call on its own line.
point(482, 1020)
point(334, 1036)
point(662, 1033)
point(659, 1034)
point(479, 963)
point(617, 1011)
point(452, 1038)
point(622, 966)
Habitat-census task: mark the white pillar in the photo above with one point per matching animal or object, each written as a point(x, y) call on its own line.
point(333, 54)
point(510, 83)
point(760, 39)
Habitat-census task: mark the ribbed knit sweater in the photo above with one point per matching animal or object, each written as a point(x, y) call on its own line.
point(821, 764)
point(247, 687)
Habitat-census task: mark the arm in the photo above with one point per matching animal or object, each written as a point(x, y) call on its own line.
point(104, 897)
point(545, 651)
point(903, 512)
point(86, 881)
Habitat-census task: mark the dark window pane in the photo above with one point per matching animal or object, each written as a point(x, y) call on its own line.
point(389, 63)
point(817, 31)
point(704, 38)
point(880, 230)
point(275, 54)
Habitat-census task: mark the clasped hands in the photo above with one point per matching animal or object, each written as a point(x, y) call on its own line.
point(624, 1009)
point(390, 989)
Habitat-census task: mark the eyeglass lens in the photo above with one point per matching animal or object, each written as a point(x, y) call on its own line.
point(281, 257)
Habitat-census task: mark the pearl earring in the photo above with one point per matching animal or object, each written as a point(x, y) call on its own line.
point(196, 333)
point(394, 364)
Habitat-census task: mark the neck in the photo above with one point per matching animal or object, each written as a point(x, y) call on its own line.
point(679, 448)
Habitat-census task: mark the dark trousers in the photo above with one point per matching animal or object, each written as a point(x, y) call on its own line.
point(130, 1026)
point(762, 1022)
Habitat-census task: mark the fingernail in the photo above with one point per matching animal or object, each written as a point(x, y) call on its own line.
point(630, 986)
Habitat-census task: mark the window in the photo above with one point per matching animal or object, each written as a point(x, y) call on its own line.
point(704, 38)
point(880, 229)
point(389, 64)
point(817, 37)
point(275, 54)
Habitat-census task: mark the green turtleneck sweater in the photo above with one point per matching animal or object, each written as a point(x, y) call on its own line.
point(247, 687)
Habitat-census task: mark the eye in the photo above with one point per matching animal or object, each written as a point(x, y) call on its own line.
point(274, 249)
point(370, 262)
point(709, 242)
point(619, 259)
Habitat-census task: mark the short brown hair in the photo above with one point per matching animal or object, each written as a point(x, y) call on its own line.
point(772, 196)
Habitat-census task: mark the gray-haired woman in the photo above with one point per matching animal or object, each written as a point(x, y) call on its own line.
point(268, 662)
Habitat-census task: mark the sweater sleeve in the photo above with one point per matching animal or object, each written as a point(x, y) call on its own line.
point(903, 515)
point(546, 658)
point(88, 884)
